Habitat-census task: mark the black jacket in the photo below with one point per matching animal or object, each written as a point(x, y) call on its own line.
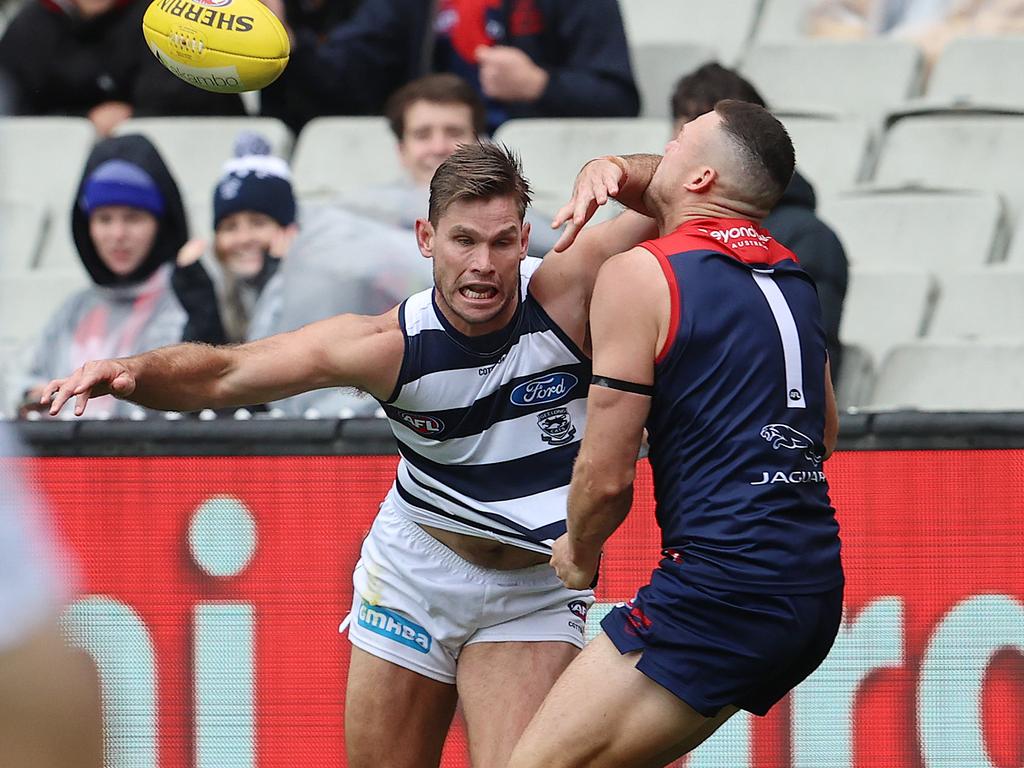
point(794, 223)
point(173, 231)
point(61, 64)
point(387, 43)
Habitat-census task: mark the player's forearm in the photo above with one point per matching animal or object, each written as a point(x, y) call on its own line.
point(598, 503)
point(183, 377)
point(639, 170)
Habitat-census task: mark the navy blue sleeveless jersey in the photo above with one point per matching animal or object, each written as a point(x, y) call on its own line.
point(488, 427)
point(738, 414)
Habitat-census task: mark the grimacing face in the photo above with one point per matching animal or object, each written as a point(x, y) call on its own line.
point(432, 131)
point(476, 249)
point(123, 236)
point(242, 239)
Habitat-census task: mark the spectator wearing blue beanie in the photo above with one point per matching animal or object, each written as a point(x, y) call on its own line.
point(128, 223)
point(254, 208)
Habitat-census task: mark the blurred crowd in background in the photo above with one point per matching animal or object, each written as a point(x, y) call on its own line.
point(271, 238)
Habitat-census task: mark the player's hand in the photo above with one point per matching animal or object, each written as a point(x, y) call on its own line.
point(575, 569)
point(597, 182)
point(94, 379)
point(191, 251)
point(509, 74)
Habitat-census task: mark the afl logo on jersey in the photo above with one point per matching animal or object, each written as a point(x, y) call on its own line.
point(425, 425)
point(545, 390)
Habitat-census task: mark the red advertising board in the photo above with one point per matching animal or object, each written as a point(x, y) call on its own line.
point(213, 589)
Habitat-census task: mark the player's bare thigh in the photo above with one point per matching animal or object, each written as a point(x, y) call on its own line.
point(501, 686)
point(585, 721)
point(383, 701)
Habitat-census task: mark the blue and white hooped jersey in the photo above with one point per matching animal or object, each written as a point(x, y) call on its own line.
point(488, 427)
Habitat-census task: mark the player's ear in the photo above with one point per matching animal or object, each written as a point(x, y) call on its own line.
point(702, 180)
point(524, 240)
point(425, 237)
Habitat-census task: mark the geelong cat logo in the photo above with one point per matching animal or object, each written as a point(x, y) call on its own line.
point(544, 390)
point(784, 436)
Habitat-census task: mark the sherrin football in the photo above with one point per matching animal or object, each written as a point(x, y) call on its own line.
point(225, 46)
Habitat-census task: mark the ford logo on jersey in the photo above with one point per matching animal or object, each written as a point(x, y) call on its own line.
point(546, 390)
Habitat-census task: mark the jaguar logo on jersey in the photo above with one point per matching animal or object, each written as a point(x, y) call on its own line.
point(556, 425)
point(784, 436)
point(545, 390)
point(425, 425)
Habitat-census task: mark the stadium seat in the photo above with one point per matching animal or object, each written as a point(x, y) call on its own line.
point(1015, 255)
point(833, 152)
point(554, 149)
point(22, 225)
point(42, 158)
point(952, 376)
point(910, 229)
point(980, 304)
point(658, 66)
point(864, 77)
point(29, 299)
point(725, 26)
point(195, 148)
point(956, 149)
point(341, 154)
point(975, 70)
point(782, 21)
point(885, 308)
point(856, 378)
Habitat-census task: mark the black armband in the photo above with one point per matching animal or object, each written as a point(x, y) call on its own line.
point(624, 386)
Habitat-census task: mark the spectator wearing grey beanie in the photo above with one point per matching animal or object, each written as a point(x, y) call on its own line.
point(236, 296)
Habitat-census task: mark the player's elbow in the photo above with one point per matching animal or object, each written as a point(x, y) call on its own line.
point(603, 481)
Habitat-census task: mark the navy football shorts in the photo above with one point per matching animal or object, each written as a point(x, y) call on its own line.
point(712, 648)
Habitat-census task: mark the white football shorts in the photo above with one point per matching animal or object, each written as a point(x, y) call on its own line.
point(416, 603)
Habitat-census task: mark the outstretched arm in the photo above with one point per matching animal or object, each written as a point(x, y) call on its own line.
point(622, 177)
point(347, 350)
point(629, 299)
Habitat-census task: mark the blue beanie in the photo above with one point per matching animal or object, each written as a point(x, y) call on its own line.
point(119, 182)
point(255, 181)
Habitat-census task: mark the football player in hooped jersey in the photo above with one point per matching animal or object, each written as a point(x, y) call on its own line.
point(711, 337)
point(484, 379)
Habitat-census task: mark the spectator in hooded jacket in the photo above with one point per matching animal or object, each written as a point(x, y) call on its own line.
point(793, 221)
point(128, 223)
point(89, 58)
point(239, 299)
point(526, 58)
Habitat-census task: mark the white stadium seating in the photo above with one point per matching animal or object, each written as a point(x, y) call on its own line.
point(981, 304)
point(657, 68)
point(341, 154)
point(833, 152)
point(725, 25)
point(981, 71)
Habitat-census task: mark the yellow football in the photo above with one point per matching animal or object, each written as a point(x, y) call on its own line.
point(225, 46)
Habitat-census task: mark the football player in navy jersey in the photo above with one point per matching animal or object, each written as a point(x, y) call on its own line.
point(484, 379)
point(710, 337)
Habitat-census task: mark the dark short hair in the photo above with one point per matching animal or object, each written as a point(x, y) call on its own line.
point(442, 88)
point(767, 146)
point(480, 171)
point(699, 91)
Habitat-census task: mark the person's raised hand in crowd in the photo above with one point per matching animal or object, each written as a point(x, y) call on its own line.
point(94, 379)
point(509, 74)
point(191, 252)
point(107, 116)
